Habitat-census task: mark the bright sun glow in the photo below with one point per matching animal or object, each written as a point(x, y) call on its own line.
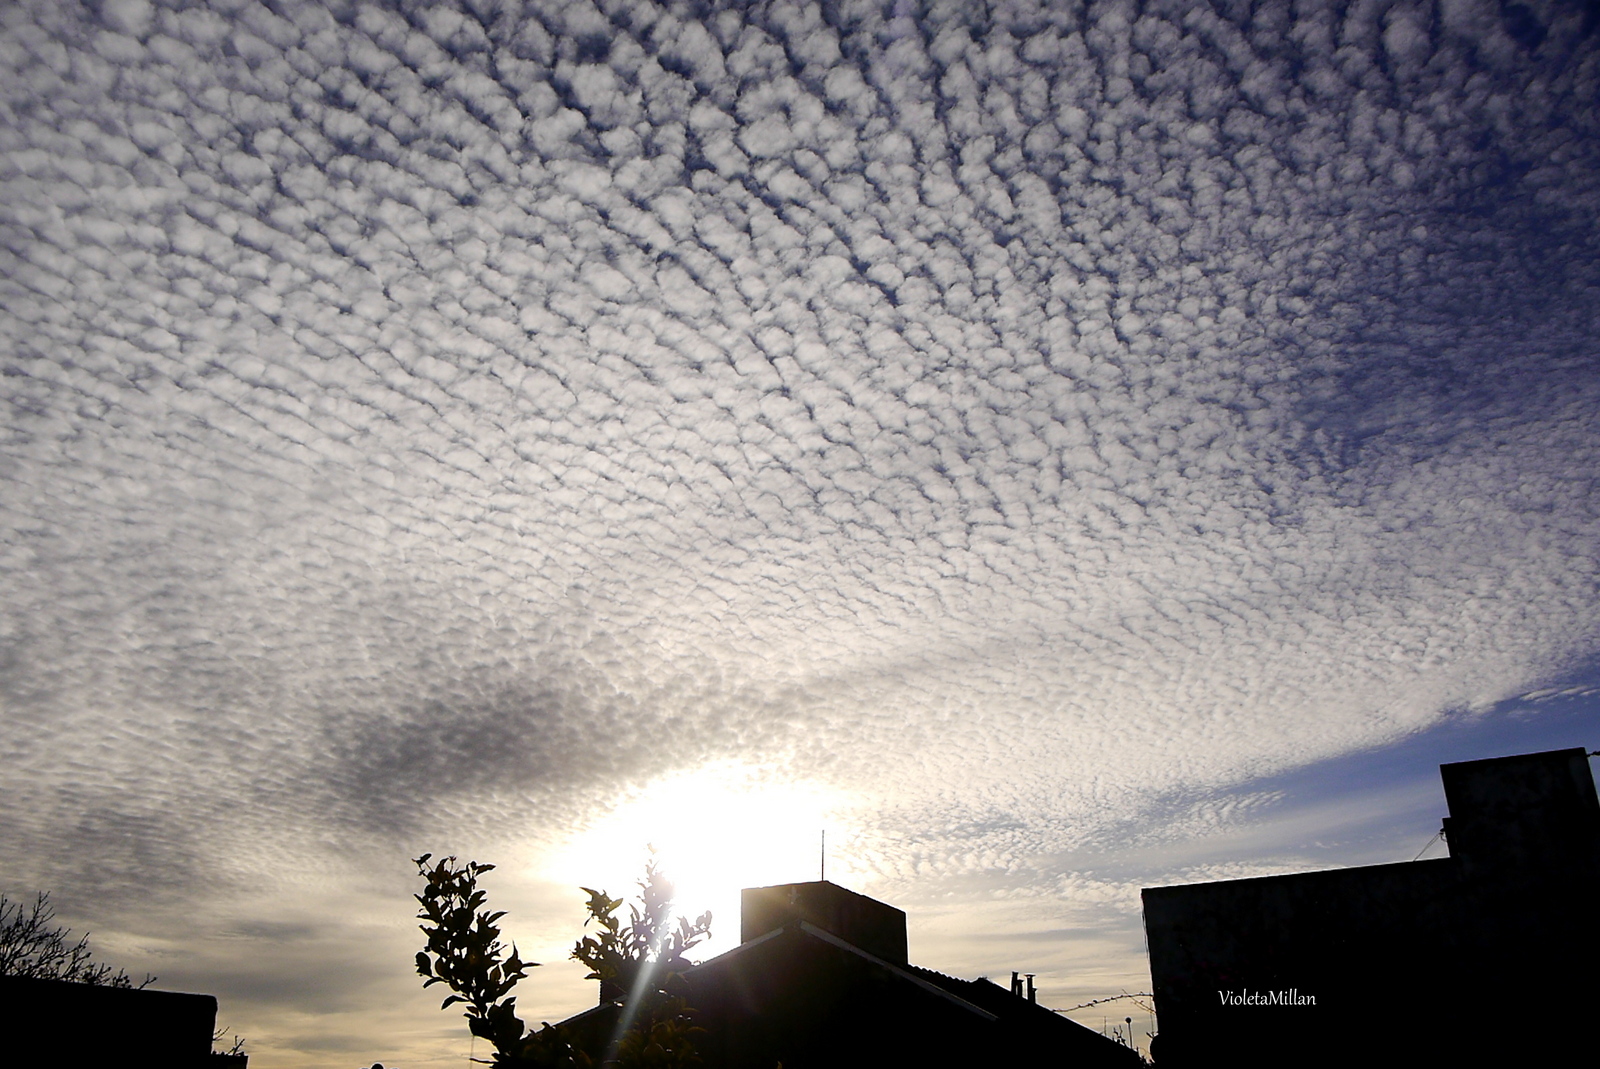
point(715, 830)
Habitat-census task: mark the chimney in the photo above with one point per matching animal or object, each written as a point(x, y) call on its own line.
point(1016, 983)
point(873, 926)
point(1031, 993)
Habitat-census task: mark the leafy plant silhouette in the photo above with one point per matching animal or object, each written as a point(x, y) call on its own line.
point(649, 945)
point(639, 964)
point(464, 952)
point(634, 962)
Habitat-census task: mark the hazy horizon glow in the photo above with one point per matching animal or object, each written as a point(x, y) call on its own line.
point(1028, 434)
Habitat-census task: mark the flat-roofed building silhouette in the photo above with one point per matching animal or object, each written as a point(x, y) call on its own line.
point(54, 1022)
point(1483, 957)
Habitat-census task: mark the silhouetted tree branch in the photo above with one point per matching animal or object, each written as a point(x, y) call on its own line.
point(635, 964)
point(638, 966)
point(33, 947)
point(220, 1034)
point(648, 946)
point(465, 954)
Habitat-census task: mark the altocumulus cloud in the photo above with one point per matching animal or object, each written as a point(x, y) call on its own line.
point(1005, 414)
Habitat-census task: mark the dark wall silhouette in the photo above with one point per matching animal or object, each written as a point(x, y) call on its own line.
point(53, 1022)
point(1435, 962)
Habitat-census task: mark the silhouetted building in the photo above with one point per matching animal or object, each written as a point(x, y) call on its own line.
point(1484, 957)
point(53, 1022)
point(820, 980)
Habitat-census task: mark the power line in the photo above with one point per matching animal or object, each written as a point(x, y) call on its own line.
point(1436, 837)
point(1099, 1001)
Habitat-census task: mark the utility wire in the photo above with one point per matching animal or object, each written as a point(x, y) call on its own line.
point(1098, 1001)
point(1437, 836)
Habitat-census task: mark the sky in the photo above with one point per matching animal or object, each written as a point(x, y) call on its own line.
point(1054, 448)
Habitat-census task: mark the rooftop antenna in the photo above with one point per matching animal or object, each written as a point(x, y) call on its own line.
point(822, 858)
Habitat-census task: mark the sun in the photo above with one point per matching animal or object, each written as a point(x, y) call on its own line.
point(714, 830)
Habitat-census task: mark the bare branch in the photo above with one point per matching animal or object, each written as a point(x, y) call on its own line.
point(33, 946)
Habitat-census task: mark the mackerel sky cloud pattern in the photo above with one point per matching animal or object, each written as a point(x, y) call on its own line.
point(1008, 413)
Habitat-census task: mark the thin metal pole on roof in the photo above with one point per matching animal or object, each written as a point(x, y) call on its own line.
point(822, 867)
